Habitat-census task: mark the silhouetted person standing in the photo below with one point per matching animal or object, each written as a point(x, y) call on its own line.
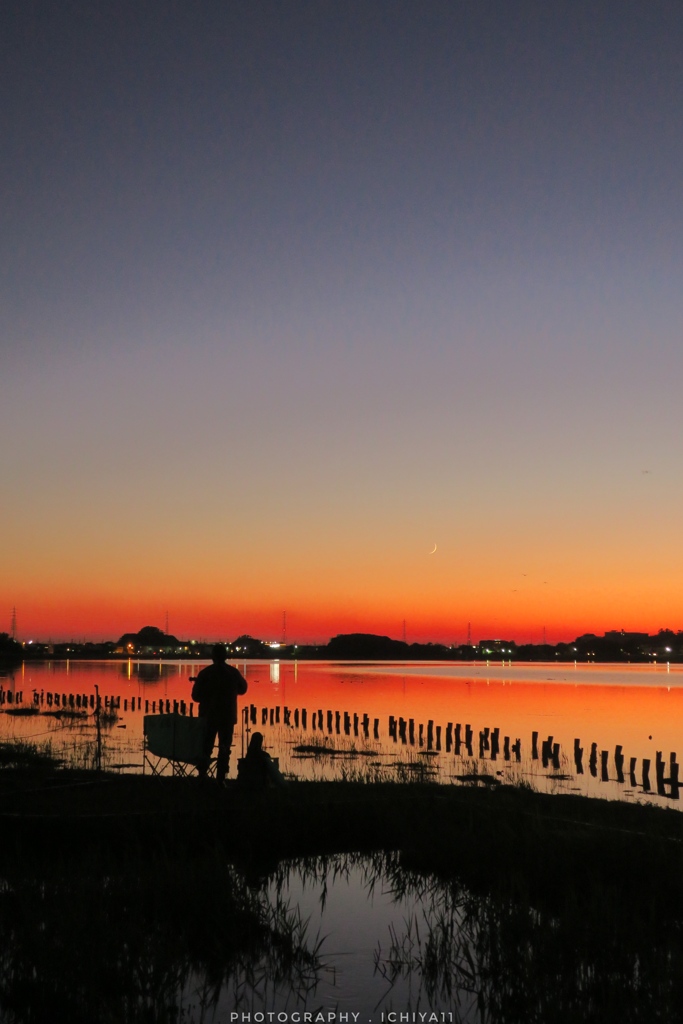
point(216, 689)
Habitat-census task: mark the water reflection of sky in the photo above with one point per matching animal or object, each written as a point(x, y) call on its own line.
point(351, 904)
point(391, 941)
point(635, 707)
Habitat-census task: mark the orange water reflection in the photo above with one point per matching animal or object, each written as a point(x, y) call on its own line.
point(636, 708)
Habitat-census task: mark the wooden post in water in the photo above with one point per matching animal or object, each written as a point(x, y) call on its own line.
point(646, 774)
point(546, 751)
point(98, 749)
point(337, 722)
point(355, 724)
point(556, 756)
point(506, 748)
point(517, 749)
point(438, 737)
point(632, 772)
point(264, 716)
point(277, 713)
point(296, 718)
point(604, 775)
point(430, 734)
point(593, 760)
point(271, 716)
point(495, 743)
point(347, 723)
point(420, 736)
point(375, 728)
point(534, 746)
point(329, 721)
point(619, 762)
point(578, 756)
point(402, 724)
point(673, 776)
point(659, 771)
point(303, 718)
point(252, 713)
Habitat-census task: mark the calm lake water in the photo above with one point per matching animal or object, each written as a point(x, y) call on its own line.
point(389, 720)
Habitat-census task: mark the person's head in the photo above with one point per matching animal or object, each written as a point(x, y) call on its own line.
point(219, 652)
point(256, 742)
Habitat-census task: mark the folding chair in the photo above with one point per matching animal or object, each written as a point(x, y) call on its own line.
point(174, 740)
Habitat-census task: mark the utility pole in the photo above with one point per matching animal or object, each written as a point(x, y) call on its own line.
point(469, 634)
point(13, 627)
point(284, 629)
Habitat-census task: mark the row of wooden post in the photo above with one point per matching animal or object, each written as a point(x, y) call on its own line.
point(402, 730)
point(407, 732)
point(76, 701)
point(10, 697)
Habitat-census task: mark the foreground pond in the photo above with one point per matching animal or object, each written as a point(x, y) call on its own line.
point(342, 935)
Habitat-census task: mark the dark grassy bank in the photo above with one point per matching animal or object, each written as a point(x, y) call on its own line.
point(556, 848)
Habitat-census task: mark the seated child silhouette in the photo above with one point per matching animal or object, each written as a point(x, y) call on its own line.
point(257, 769)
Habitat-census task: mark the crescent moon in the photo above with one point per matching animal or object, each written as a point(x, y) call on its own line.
point(433, 550)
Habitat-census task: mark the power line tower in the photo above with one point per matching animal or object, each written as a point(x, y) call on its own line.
point(469, 634)
point(284, 628)
point(13, 627)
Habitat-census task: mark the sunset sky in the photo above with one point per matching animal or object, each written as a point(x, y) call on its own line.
point(294, 292)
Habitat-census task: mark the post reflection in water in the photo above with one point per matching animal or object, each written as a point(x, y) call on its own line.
point(602, 730)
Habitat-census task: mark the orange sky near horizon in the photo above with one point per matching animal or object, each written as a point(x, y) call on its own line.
point(104, 614)
point(105, 556)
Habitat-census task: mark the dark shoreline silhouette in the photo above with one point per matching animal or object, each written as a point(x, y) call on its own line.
point(151, 642)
